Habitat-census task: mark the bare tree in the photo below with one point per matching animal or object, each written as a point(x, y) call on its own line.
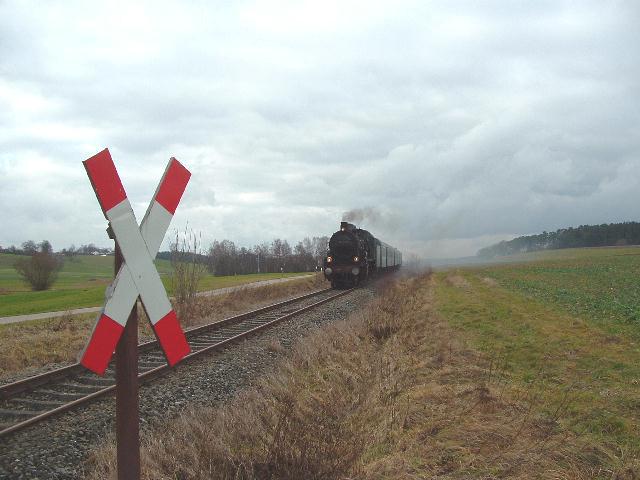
point(87, 249)
point(70, 253)
point(187, 271)
point(45, 246)
point(40, 270)
point(319, 250)
point(29, 247)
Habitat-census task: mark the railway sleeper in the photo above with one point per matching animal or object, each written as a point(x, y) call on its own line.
point(81, 388)
point(30, 402)
point(19, 414)
point(153, 358)
point(202, 341)
point(95, 380)
point(150, 365)
point(268, 318)
point(257, 323)
point(214, 337)
point(63, 396)
point(231, 332)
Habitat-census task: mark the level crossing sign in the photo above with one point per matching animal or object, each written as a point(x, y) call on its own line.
point(137, 276)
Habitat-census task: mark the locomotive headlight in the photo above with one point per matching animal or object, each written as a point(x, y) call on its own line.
point(355, 270)
point(328, 271)
point(329, 259)
point(356, 258)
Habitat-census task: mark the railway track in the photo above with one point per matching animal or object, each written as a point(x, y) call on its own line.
point(34, 399)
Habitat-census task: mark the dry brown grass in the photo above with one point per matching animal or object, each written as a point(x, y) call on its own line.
point(38, 343)
point(391, 393)
point(458, 281)
point(489, 281)
point(34, 344)
point(217, 307)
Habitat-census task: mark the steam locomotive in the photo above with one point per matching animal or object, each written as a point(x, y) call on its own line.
point(354, 254)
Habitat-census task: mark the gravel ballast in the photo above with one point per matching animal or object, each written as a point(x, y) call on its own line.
point(58, 448)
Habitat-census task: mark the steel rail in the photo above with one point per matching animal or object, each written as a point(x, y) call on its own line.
point(10, 390)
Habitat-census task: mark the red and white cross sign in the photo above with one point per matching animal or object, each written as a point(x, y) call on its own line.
point(138, 275)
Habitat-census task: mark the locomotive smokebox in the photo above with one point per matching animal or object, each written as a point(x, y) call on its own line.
point(347, 227)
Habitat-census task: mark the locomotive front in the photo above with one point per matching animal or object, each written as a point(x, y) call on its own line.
point(344, 263)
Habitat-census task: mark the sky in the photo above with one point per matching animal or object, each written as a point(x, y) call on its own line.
point(441, 127)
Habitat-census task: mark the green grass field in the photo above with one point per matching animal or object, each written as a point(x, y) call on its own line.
point(82, 282)
point(603, 284)
point(565, 324)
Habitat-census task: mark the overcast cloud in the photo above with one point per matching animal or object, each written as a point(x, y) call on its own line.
point(448, 125)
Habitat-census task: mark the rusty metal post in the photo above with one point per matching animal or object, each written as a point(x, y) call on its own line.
point(127, 414)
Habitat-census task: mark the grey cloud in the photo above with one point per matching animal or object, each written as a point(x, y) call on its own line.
point(456, 122)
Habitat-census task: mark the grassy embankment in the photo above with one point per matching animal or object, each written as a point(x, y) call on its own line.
point(82, 282)
point(36, 343)
point(513, 371)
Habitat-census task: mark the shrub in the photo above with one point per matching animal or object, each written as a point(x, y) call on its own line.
point(187, 272)
point(40, 270)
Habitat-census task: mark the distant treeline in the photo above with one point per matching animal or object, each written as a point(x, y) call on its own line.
point(626, 233)
point(30, 247)
point(222, 257)
point(225, 258)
